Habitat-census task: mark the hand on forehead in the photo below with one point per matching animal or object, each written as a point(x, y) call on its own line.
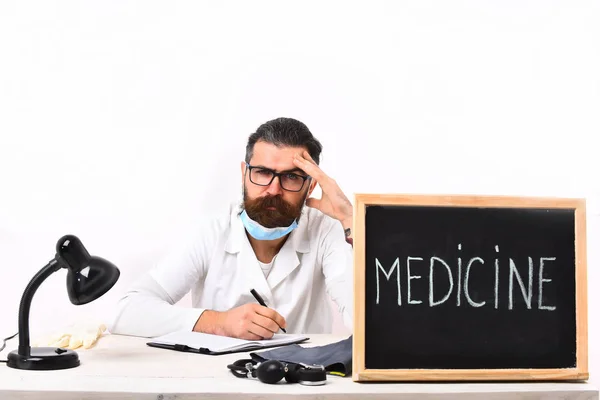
point(304, 161)
point(277, 158)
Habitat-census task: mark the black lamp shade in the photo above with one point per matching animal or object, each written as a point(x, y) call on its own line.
point(88, 277)
point(92, 281)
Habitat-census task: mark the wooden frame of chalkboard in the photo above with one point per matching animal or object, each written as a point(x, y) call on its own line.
point(398, 344)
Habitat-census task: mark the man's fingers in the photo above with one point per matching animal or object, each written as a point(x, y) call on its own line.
point(266, 323)
point(309, 166)
point(271, 314)
point(259, 331)
point(306, 155)
point(250, 336)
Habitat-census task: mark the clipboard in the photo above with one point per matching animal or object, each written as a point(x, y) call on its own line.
point(204, 343)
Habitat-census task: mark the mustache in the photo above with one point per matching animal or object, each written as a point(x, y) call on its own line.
point(284, 213)
point(274, 201)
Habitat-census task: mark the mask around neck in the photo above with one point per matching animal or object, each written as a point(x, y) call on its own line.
point(259, 232)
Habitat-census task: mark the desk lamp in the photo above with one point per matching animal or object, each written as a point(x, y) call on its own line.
point(88, 277)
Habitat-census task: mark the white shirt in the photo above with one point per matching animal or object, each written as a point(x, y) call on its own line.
point(266, 267)
point(219, 267)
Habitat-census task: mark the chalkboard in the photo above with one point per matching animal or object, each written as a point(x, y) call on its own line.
point(469, 287)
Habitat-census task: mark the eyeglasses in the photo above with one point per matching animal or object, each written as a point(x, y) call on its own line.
point(264, 176)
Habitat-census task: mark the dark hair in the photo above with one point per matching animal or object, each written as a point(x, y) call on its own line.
point(285, 132)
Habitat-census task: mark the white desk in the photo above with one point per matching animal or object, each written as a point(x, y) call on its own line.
point(121, 367)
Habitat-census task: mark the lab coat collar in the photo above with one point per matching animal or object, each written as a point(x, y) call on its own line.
point(286, 262)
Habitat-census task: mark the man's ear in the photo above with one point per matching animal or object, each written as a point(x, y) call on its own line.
point(313, 183)
point(243, 168)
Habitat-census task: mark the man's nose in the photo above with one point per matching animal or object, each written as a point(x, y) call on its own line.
point(275, 187)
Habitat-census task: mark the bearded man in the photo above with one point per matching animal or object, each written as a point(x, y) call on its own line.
point(294, 251)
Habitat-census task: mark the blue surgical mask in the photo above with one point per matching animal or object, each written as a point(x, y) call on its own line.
point(259, 232)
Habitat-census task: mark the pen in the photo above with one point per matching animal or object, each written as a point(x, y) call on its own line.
point(261, 301)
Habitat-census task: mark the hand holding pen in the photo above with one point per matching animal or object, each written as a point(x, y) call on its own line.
point(250, 321)
point(262, 303)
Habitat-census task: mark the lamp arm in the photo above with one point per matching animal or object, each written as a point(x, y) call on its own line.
point(25, 305)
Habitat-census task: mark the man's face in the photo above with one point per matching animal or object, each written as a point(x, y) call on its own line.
point(273, 206)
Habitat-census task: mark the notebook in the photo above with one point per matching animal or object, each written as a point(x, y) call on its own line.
point(204, 343)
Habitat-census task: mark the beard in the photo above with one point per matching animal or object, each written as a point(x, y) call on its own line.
point(283, 215)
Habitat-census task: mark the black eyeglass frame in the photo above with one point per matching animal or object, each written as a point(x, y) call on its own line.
point(277, 175)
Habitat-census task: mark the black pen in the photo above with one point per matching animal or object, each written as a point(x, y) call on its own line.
point(261, 301)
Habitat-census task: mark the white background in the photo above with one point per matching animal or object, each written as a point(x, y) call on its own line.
point(119, 120)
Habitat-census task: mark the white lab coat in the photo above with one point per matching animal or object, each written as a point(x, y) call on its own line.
point(220, 268)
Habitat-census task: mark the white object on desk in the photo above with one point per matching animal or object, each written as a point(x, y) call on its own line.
point(217, 344)
point(124, 367)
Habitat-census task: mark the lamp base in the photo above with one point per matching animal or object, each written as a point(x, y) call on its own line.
point(44, 358)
